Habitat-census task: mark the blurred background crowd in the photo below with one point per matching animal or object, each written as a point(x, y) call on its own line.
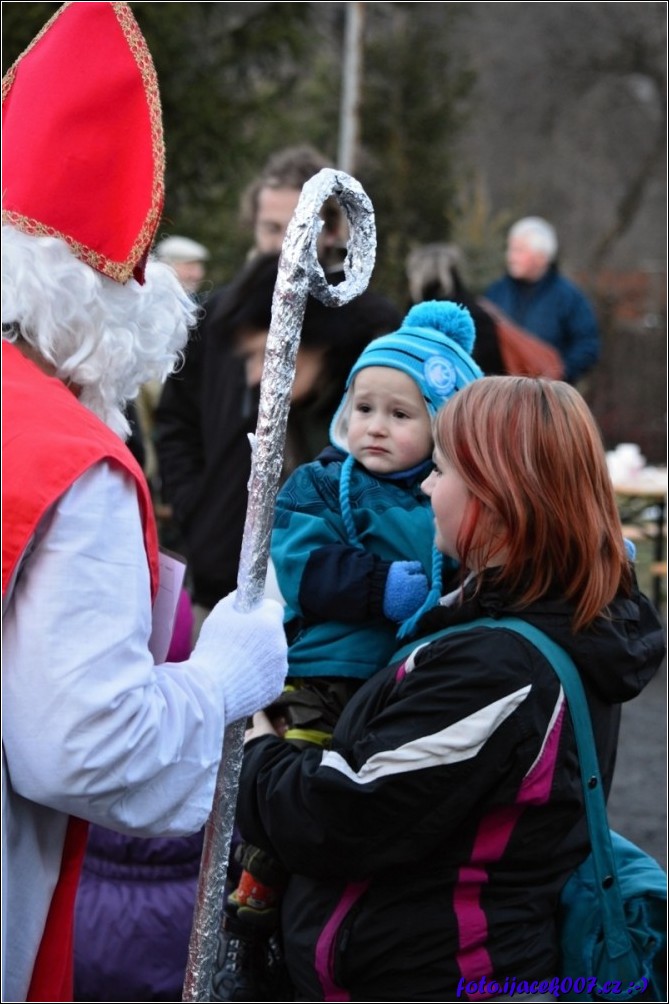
point(458, 118)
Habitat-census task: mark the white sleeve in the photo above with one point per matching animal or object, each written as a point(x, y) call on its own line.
point(90, 726)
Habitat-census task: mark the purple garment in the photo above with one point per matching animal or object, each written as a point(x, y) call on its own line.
point(133, 916)
point(134, 907)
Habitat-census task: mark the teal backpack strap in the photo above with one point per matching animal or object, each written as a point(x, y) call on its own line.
point(613, 914)
point(404, 652)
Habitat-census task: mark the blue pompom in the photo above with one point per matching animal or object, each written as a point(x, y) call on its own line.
point(445, 316)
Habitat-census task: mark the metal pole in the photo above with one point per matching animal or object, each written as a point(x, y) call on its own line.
point(299, 274)
point(349, 115)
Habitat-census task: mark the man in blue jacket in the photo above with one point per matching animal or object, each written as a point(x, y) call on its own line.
point(535, 295)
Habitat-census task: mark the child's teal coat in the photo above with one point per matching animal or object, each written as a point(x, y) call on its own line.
point(333, 589)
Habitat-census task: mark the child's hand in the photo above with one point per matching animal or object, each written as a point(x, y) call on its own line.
point(406, 590)
point(261, 727)
point(280, 725)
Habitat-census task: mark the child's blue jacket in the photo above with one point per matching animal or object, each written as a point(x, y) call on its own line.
point(334, 588)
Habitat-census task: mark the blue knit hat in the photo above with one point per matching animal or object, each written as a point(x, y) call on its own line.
point(433, 347)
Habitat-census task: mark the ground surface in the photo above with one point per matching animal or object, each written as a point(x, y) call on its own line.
point(638, 800)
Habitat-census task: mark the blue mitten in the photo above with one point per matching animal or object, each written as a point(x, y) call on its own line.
point(406, 590)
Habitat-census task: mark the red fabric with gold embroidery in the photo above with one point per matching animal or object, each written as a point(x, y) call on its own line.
point(82, 141)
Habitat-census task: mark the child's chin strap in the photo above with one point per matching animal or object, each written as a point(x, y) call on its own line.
point(345, 500)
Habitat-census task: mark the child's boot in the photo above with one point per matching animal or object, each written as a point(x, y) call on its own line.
point(254, 904)
point(240, 963)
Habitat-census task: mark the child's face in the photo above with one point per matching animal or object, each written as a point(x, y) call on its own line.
point(389, 428)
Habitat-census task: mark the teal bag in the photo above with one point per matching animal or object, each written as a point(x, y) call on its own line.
point(628, 952)
point(612, 918)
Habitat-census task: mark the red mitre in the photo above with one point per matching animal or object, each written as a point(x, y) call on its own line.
point(82, 138)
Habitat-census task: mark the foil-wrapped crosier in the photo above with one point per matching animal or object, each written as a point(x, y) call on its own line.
point(299, 274)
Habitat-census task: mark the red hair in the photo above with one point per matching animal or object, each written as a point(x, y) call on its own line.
point(531, 455)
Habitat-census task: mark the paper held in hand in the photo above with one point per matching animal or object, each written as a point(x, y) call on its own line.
point(172, 572)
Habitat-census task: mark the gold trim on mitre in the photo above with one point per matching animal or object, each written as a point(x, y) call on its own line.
point(119, 271)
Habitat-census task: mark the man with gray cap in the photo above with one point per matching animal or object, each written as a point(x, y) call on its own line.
point(187, 258)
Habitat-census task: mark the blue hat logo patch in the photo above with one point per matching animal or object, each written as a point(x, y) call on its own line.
point(440, 375)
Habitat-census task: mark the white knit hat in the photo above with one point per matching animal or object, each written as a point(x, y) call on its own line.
point(177, 248)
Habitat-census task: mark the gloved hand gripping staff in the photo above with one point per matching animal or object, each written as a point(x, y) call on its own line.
point(299, 274)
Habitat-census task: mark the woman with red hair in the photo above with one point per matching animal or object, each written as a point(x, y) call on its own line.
point(437, 831)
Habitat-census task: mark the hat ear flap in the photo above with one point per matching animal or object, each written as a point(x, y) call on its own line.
point(339, 423)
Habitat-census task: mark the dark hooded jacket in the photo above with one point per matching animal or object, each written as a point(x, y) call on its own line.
point(431, 842)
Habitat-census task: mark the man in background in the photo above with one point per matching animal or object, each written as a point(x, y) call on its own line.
point(537, 296)
point(208, 408)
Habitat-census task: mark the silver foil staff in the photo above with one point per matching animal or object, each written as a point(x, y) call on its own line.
point(299, 274)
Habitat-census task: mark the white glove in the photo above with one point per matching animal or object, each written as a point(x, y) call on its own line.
point(251, 651)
